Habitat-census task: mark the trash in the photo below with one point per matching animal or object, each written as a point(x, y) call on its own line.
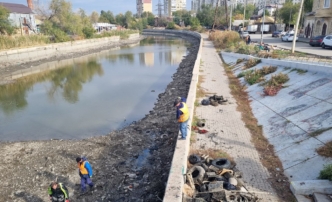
point(201, 123)
point(203, 131)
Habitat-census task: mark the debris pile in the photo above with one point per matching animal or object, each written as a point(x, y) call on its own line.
point(214, 100)
point(214, 180)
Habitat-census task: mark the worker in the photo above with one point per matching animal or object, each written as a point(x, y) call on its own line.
point(182, 116)
point(85, 172)
point(58, 192)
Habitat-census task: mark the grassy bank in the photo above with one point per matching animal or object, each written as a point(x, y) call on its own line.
point(12, 42)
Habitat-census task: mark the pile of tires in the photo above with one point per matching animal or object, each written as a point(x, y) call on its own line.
point(215, 178)
point(214, 100)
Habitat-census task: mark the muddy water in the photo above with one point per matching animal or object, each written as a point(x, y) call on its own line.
point(89, 96)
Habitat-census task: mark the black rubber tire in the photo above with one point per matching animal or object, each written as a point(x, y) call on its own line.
point(323, 46)
point(205, 102)
point(197, 172)
point(221, 163)
point(194, 159)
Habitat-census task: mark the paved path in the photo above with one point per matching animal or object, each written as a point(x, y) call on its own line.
point(226, 129)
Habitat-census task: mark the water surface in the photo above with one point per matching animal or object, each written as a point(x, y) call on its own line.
point(91, 95)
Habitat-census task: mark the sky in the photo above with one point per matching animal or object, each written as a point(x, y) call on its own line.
point(116, 6)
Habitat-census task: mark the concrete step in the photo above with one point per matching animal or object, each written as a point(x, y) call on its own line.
point(318, 197)
point(311, 186)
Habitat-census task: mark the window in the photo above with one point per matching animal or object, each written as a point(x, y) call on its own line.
point(327, 3)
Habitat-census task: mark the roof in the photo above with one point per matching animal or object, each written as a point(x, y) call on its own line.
point(16, 8)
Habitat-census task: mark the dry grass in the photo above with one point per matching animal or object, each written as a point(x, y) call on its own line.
point(266, 150)
point(224, 39)
point(9, 42)
point(200, 92)
point(325, 150)
point(251, 63)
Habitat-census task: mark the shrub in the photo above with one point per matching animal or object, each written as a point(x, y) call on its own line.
point(243, 73)
point(170, 25)
point(253, 77)
point(224, 39)
point(326, 173)
point(239, 60)
point(274, 85)
point(268, 70)
point(251, 63)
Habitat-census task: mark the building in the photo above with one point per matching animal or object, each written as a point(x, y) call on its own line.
point(21, 16)
point(171, 6)
point(143, 6)
point(319, 21)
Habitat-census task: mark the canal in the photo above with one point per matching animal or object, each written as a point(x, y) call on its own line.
point(91, 95)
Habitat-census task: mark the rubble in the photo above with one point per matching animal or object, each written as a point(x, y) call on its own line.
point(214, 180)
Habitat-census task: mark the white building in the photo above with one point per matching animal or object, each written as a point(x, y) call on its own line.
point(143, 6)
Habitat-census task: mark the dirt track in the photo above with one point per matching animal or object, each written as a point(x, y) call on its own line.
point(131, 164)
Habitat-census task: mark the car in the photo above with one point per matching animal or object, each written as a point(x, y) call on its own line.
point(244, 34)
point(288, 37)
point(282, 33)
point(276, 34)
point(327, 42)
point(317, 40)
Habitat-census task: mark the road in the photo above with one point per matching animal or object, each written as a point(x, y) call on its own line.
point(300, 46)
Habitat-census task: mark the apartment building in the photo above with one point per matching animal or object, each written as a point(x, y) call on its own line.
point(143, 6)
point(319, 21)
point(174, 5)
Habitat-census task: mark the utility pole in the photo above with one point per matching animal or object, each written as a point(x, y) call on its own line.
point(230, 16)
point(215, 15)
point(244, 14)
point(297, 26)
point(262, 28)
point(226, 12)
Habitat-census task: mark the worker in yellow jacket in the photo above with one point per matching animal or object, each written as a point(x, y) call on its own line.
point(182, 115)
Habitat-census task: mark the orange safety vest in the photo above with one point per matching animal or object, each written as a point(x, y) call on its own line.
point(82, 168)
point(185, 113)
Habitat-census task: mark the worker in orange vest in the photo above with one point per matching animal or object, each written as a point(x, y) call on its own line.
point(85, 172)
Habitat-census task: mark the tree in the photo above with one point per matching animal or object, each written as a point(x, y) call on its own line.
point(194, 23)
point(94, 17)
point(5, 26)
point(107, 17)
point(288, 13)
point(206, 15)
point(120, 19)
point(149, 16)
point(250, 9)
point(307, 6)
point(267, 13)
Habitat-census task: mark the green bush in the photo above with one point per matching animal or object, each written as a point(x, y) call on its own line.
point(243, 73)
point(253, 77)
point(326, 173)
point(88, 32)
point(170, 25)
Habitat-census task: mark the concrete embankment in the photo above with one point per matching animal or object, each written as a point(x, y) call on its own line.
point(297, 121)
point(175, 181)
point(25, 61)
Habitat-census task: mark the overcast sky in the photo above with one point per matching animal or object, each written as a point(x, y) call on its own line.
point(116, 6)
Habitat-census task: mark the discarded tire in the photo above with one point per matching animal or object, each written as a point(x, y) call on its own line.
point(194, 159)
point(221, 163)
point(197, 173)
point(200, 123)
point(205, 102)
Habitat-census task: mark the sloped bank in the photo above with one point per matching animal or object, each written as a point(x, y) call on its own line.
point(297, 120)
point(131, 164)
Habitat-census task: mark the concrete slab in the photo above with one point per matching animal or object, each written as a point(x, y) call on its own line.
point(323, 92)
point(319, 197)
point(299, 153)
point(302, 198)
point(307, 187)
point(314, 118)
point(307, 170)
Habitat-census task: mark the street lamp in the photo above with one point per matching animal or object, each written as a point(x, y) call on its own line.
point(262, 28)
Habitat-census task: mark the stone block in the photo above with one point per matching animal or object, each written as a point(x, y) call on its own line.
point(311, 186)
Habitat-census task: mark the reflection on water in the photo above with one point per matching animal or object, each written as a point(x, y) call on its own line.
point(91, 95)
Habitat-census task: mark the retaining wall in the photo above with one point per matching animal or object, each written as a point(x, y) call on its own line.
point(24, 55)
point(317, 67)
point(176, 180)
